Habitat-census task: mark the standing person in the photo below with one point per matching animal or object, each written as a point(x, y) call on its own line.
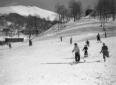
point(77, 52)
point(98, 37)
point(105, 34)
point(87, 43)
point(61, 38)
point(9, 45)
point(104, 51)
point(85, 49)
point(30, 42)
point(71, 40)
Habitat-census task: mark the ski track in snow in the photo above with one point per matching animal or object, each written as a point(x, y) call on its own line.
point(48, 62)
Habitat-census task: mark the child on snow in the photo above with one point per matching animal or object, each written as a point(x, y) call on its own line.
point(77, 52)
point(85, 49)
point(104, 51)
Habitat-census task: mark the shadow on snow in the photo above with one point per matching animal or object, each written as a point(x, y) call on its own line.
point(98, 61)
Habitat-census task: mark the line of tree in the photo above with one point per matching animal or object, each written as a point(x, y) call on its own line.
point(33, 25)
point(105, 9)
point(74, 10)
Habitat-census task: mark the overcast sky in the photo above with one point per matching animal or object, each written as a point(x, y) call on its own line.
point(46, 4)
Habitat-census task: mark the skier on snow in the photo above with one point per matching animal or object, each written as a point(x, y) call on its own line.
point(77, 52)
point(104, 51)
point(85, 49)
point(98, 37)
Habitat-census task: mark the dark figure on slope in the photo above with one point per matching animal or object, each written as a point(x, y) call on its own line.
point(104, 51)
point(30, 42)
point(71, 40)
point(105, 34)
point(10, 46)
point(77, 52)
point(98, 37)
point(85, 49)
point(61, 38)
point(87, 43)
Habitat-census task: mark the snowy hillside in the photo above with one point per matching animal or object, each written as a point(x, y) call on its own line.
point(85, 26)
point(50, 61)
point(28, 10)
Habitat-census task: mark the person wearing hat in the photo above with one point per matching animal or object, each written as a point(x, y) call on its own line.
point(104, 51)
point(77, 52)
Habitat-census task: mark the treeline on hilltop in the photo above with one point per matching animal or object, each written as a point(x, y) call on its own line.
point(103, 10)
point(27, 24)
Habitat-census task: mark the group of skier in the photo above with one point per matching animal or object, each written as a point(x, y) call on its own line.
point(76, 50)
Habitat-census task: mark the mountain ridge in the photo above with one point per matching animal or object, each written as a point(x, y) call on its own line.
point(28, 10)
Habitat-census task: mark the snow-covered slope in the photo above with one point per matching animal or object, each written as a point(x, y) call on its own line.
point(28, 10)
point(86, 26)
point(49, 63)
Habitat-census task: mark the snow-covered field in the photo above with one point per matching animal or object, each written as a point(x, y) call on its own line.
point(50, 62)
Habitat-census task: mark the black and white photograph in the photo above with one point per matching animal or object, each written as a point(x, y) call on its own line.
point(57, 42)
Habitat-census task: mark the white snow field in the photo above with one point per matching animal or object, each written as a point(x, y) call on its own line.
point(50, 62)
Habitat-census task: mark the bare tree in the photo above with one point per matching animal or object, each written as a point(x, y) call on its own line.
point(102, 9)
point(30, 26)
point(58, 9)
point(113, 8)
point(76, 9)
point(105, 9)
point(62, 14)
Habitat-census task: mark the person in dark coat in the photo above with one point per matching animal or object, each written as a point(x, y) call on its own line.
point(85, 49)
point(87, 43)
point(30, 42)
point(98, 37)
point(61, 38)
point(104, 51)
point(71, 40)
point(10, 46)
point(105, 34)
point(77, 52)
